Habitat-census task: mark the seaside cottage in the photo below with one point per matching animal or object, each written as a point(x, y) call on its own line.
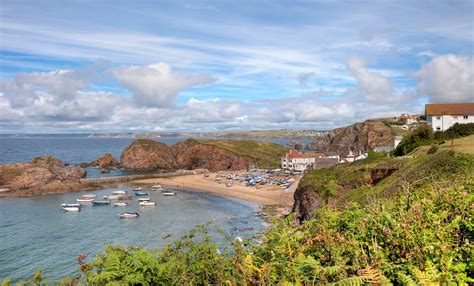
point(297, 161)
point(441, 117)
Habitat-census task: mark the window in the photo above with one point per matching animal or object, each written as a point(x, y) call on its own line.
point(438, 117)
point(465, 117)
point(438, 128)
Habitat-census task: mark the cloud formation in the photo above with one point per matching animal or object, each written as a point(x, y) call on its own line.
point(447, 78)
point(372, 85)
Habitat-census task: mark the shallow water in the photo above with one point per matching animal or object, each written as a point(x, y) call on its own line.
point(36, 233)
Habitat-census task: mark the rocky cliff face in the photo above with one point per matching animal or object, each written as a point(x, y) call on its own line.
point(105, 161)
point(146, 154)
point(41, 175)
point(356, 137)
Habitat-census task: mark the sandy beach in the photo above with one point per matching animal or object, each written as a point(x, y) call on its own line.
point(273, 196)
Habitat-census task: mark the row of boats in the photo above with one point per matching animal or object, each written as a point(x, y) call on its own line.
point(118, 195)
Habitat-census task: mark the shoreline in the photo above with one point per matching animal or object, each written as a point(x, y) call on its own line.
point(272, 198)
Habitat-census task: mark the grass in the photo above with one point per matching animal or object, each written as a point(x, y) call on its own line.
point(265, 154)
point(460, 145)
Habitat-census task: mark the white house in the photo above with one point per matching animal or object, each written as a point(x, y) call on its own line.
point(297, 161)
point(441, 117)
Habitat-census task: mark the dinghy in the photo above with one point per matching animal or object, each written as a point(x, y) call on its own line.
point(123, 198)
point(71, 209)
point(137, 189)
point(85, 200)
point(169, 194)
point(141, 194)
point(128, 215)
point(143, 199)
point(119, 192)
point(71, 205)
point(100, 203)
point(120, 204)
point(89, 196)
point(156, 187)
point(147, 203)
point(111, 197)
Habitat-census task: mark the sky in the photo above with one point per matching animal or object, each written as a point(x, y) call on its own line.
point(110, 66)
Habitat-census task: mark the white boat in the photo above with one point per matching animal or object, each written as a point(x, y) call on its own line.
point(156, 187)
point(89, 196)
point(111, 197)
point(128, 215)
point(85, 199)
point(71, 205)
point(120, 204)
point(143, 199)
point(71, 209)
point(119, 192)
point(168, 194)
point(137, 189)
point(147, 203)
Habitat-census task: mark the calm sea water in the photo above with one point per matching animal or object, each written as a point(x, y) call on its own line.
point(36, 233)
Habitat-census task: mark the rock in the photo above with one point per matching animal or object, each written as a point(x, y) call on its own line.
point(363, 136)
point(104, 162)
point(147, 154)
point(41, 175)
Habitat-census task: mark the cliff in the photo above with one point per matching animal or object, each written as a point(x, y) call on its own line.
point(362, 136)
point(40, 176)
point(105, 161)
point(146, 154)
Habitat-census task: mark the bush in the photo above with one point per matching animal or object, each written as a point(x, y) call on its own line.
point(423, 135)
point(432, 149)
point(456, 131)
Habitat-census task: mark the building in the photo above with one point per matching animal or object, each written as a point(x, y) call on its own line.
point(441, 117)
point(397, 141)
point(297, 161)
point(333, 155)
point(383, 149)
point(352, 157)
point(408, 118)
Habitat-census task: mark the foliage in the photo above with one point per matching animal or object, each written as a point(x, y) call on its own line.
point(433, 149)
point(456, 131)
point(423, 135)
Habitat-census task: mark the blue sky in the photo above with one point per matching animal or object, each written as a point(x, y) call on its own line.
point(81, 66)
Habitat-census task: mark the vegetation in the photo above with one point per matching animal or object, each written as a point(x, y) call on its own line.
point(265, 154)
point(385, 221)
point(456, 131)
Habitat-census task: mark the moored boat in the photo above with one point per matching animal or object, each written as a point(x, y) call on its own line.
point(71, 205)
point(120, 204)
point(111, 197)
point(85, 200)
point(128, 215)
point(141, 194)
point(156, 187)
point(169, 194)
point(89, 196)
point(120, 192)
point(143, 199)
point(100, 203)
point(124, 198)
point(71, 209)
point(138, 189)
point(147, 203)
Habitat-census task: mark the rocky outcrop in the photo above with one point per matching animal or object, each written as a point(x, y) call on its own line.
point(191, 155)
point(146, 154)
point(363, 136)
point(105, 161)
point(41, 175)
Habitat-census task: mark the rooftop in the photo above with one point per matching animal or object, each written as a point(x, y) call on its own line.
point(449, 108)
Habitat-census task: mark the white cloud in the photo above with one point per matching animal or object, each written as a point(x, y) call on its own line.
point(447, 78)
point(371, 84)
point(157, 85)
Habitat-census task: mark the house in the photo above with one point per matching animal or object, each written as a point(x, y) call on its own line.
point(333, 155)
point(354, 157)
point(442, 116)
point(383, 149)
point(408, 118)
point(297, 161)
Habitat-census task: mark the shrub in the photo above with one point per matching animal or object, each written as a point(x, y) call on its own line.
point(423, 135)
point(432, 149)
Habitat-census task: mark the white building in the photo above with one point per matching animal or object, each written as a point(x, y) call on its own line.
point(297, 161)
point(441, 117)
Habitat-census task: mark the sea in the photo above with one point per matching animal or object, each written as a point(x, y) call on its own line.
point(36, 234)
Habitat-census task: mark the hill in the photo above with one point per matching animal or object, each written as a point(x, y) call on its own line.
point(461, 145)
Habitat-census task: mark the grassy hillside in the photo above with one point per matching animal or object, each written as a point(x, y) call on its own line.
point(266, 154)
point(461, 145)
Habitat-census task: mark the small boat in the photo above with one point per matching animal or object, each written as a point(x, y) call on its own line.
point(100, 203)
point(156, 187)
point(147, 203)
point(89, 196)
point(143, 199)
point(137, 189)
point(125, 198)
point(119, 192)
point(141, 194)
point(71, 209)
point(85, 200)
point(128, 215)
point(120, 204)
point(71, 205)
point(168, 194)
point(111, 197)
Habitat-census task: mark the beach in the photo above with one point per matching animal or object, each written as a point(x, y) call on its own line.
point(273, 196)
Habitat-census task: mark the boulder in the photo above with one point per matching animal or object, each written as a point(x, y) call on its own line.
point(147, 154)
point(105, 161)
